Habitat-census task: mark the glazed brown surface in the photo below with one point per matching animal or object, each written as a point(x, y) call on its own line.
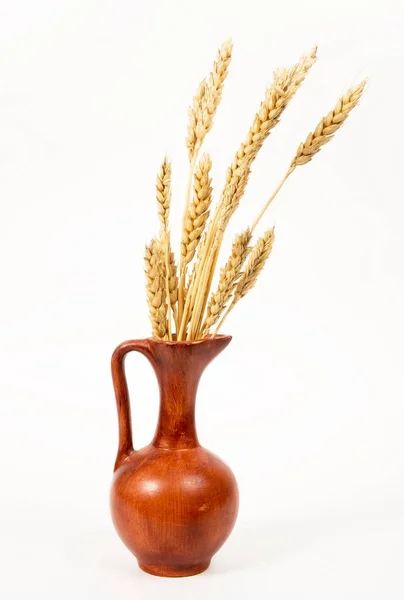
point(173, 503)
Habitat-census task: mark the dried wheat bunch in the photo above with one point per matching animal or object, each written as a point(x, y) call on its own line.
point(155, 287)
point(184, 299)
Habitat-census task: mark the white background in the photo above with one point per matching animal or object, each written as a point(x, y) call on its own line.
point(307, 403)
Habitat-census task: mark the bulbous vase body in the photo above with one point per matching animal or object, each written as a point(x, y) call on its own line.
point(173, 503)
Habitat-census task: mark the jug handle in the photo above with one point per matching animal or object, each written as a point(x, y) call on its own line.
point(125, 446)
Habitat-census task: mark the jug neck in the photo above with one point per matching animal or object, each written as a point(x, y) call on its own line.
point(179, 366)
point(176, 424)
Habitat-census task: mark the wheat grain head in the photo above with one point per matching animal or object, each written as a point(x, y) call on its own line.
point(155, 289)
point(172, 280)
point(207, 99)
point(328, 126)
point(163, 194)
point(198, 210)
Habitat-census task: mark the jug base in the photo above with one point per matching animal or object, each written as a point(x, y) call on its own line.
point(172, 571)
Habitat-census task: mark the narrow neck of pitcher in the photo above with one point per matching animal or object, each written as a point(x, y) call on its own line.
point(176, 427)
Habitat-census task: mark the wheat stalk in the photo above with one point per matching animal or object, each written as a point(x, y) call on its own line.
point(155, 288)
point(201, 114)
point(185, 319)
point(323, 133)
point(163, 194)
point(278, 95)
point(229, 276)
point(255, 264)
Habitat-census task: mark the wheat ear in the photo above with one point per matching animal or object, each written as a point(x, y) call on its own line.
point(163, 194)
point(229, 276)
point(155, 288)
point(278, 95)
point(198, 211)
point(207, 99)
point(328, 126)
point(172, 289)
point(255, 264)
point(323, 133)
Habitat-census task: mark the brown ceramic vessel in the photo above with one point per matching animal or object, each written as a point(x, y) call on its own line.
point(173, 503)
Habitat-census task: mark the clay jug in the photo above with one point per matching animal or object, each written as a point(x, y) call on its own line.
point(173, 503)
